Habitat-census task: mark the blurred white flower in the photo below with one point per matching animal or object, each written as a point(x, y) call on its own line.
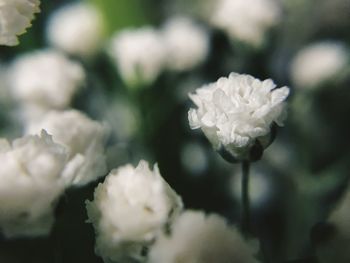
point(318, 63)
point(76, 29)
point(139, 54)
point(246, 20)
point(15, 18)
point(45, 78)
point(129, 209)
point(196, 237)
point(337, 241)
point(187, 43)
point(30, 174)
point(236, 113)
point(84, 140)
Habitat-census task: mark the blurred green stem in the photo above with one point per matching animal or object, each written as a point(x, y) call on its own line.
point(245, 210)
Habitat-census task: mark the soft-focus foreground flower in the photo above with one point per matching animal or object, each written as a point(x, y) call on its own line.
point(129, 209)
point(76, 29)
point(15, 18)
point(196, 237)
point(246, 21)
point(47, 79)
point(84, 140)
point(318, 63)
point(334, 242)
point(187, 43)
point(139, 54)
point(30, 174)
point(237, 113)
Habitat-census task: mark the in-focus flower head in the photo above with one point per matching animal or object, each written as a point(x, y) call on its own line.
point(187, 43)
point(46, 78)
point(139, 54)
point(84, 140)
point(15, 18)
point(31, 183)
point(246, 21)
point(317, 63)
point(129, 209)
point(76, 29)
point(196, 237)
point(238, 114)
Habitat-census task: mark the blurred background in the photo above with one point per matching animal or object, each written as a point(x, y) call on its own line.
point(302, 176)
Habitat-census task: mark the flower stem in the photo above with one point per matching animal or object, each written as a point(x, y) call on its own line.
point(245, 209)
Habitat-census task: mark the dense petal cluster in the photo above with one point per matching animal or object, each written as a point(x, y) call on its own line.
point(84, 140)
point(76, 29)
point(318, 63)
point(47, 79)
point(30, 174)
point(237, 112)
point(246, 21)
point(187, 43)
point(196, 237)
point(139, 54)
point(129, 209)
point(16, 17)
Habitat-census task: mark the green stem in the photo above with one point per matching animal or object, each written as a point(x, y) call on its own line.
point(245, 210)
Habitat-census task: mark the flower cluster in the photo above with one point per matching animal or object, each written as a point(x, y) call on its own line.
point(76, 29)
point(16, 17)
point(84, 142)
point(196, 237)
point(31, 184)
point(236, 114)
point(317, 63)
point(129, 209)
point(245, 21)
point(141, 55)
point(45, 80)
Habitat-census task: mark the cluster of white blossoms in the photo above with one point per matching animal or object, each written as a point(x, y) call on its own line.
point(83, 139)
point(196, 237)
point(141, 55)
point(16, 17)
point(237, 113)
point(76, 29)
point(245, 20)
point(129, 209)
point(317, 63)
point(31, 184)
point(187, 43)
point(44, 80)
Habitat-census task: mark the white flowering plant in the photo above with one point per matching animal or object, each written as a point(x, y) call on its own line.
point(174, 131)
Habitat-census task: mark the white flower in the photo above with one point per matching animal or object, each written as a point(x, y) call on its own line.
point(139, 54)
point(246, 20)
point(30, 174)
point(129, 209)
point(187, 43)
point(83, 139)
point(237, 112)
point(76, 29)
point(318, 63)
point(196, 237)
point(15, 18)
point(46, 78)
